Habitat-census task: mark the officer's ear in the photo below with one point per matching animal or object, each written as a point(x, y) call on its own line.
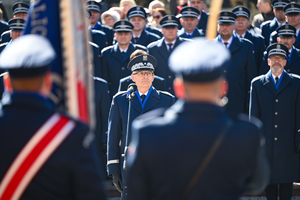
point(179, 88)
point(278, 39)
point(7, 83)
point(47, 84)
point(224, 88)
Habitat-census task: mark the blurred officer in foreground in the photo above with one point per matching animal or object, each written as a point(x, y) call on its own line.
point(242, 22)
point(64, 162)
point(243, 68)
point(269, 26)
point(163, 48)
point(189, 22)
point(146, 98)
point(115, 58)
point(169, 147)
point(20, 10)
point(286, 36)
point(275, 99)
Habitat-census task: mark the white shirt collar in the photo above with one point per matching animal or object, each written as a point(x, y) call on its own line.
point(173, 42)
point(229, 41)
point(277, 76)
point(125, 50)
point(144, 93)
point(136, 36)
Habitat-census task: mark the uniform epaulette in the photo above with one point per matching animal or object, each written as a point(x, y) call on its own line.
point(295, 76)
point(152, 43)
point(252, 120)
point(166, 93)
point(266, 22)
point(5, 32)
point(98, 31)
point(246, 40)
point(119, 93)
point(93, 44)
point(100, 79)
point(256, 78)
point(106, 48)
point(273, 33)
point(108, 27)
point(141, 46)
point(3, 44)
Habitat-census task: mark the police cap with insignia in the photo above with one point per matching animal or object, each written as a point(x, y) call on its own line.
point(286, 30)
point(17, 24)
point(23, 59)
point(122, 26)
point(142, 62)
point(279, 4)
point(20, 7)
point(226, 17)
point(292, 9)
point(277, 49)
point(241, 11)
point(93, 5)
point(206, 66)
point(189, 11)
point(169, 21)
point(136, 11)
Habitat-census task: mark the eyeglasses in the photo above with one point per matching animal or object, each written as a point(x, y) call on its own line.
point(157, 17)
point(280, 59)
point(143, 73)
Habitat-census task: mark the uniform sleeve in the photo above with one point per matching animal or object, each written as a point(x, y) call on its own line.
point(297, 134)
point(104, 65)
point(85, 168)
point(105, 105)
point(254, 109)
point(260, 52)
point(264, 67)
point(113, 140)
point(259, 179)
point(251, 72)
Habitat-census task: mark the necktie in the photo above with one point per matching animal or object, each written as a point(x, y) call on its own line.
point(226, 43)
point(276, 80)
point(241, 36)
point(122, 53)
point(135, 39)
point(143, 97)
point(170, 47)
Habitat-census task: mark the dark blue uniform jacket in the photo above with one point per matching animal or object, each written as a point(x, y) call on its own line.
point(146, 38)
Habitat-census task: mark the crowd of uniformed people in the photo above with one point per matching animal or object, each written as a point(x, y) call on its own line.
point(260, 74)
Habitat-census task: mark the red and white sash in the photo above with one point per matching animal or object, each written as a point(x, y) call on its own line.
point(33, 155)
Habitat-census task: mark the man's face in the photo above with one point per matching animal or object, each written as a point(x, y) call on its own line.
point(241, 24)
point(196, 3)
point(293, 20)
point(125, 6)
point(94, 17)
point(21, 15)
point(143, 79)
point(14, 34)
point(170, 34)
point(109, 21)
point(262, 6)
point(276, 63)
point(225, 31)
point(279, 14)
point(287, 41)
point(189, 24)
point(123, 38)
point(138, 23)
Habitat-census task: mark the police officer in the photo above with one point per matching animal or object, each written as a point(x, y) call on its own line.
point(146, 98)
point(275, 99)
point(203, 16)
point(20, 10)
point(243, 68)
point(95, 7)
point(292, 12)
point(241, 23)
point(162, 49)
point(115, 58)
point(286, 36)
point(158, 82)
point(269, 26)
point(137, 16)
point(169, 146)
point(71, 170)
point(189, 17)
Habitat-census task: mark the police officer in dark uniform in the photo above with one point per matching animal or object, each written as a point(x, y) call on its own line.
point(72, 169)
point(158, 82)
point(189, 17)
point(241, 23)
point(146, 98)
point(20, 10)
point(137, 16)
point(243, 68)
point(292, 12)
point(275, 99)
point(286, 36)
point(162, 49)
point(269, 26)
point(115, 58)
point(95, 7)
point(169, 146)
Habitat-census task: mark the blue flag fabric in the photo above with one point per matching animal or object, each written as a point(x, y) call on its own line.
point(44, 19)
